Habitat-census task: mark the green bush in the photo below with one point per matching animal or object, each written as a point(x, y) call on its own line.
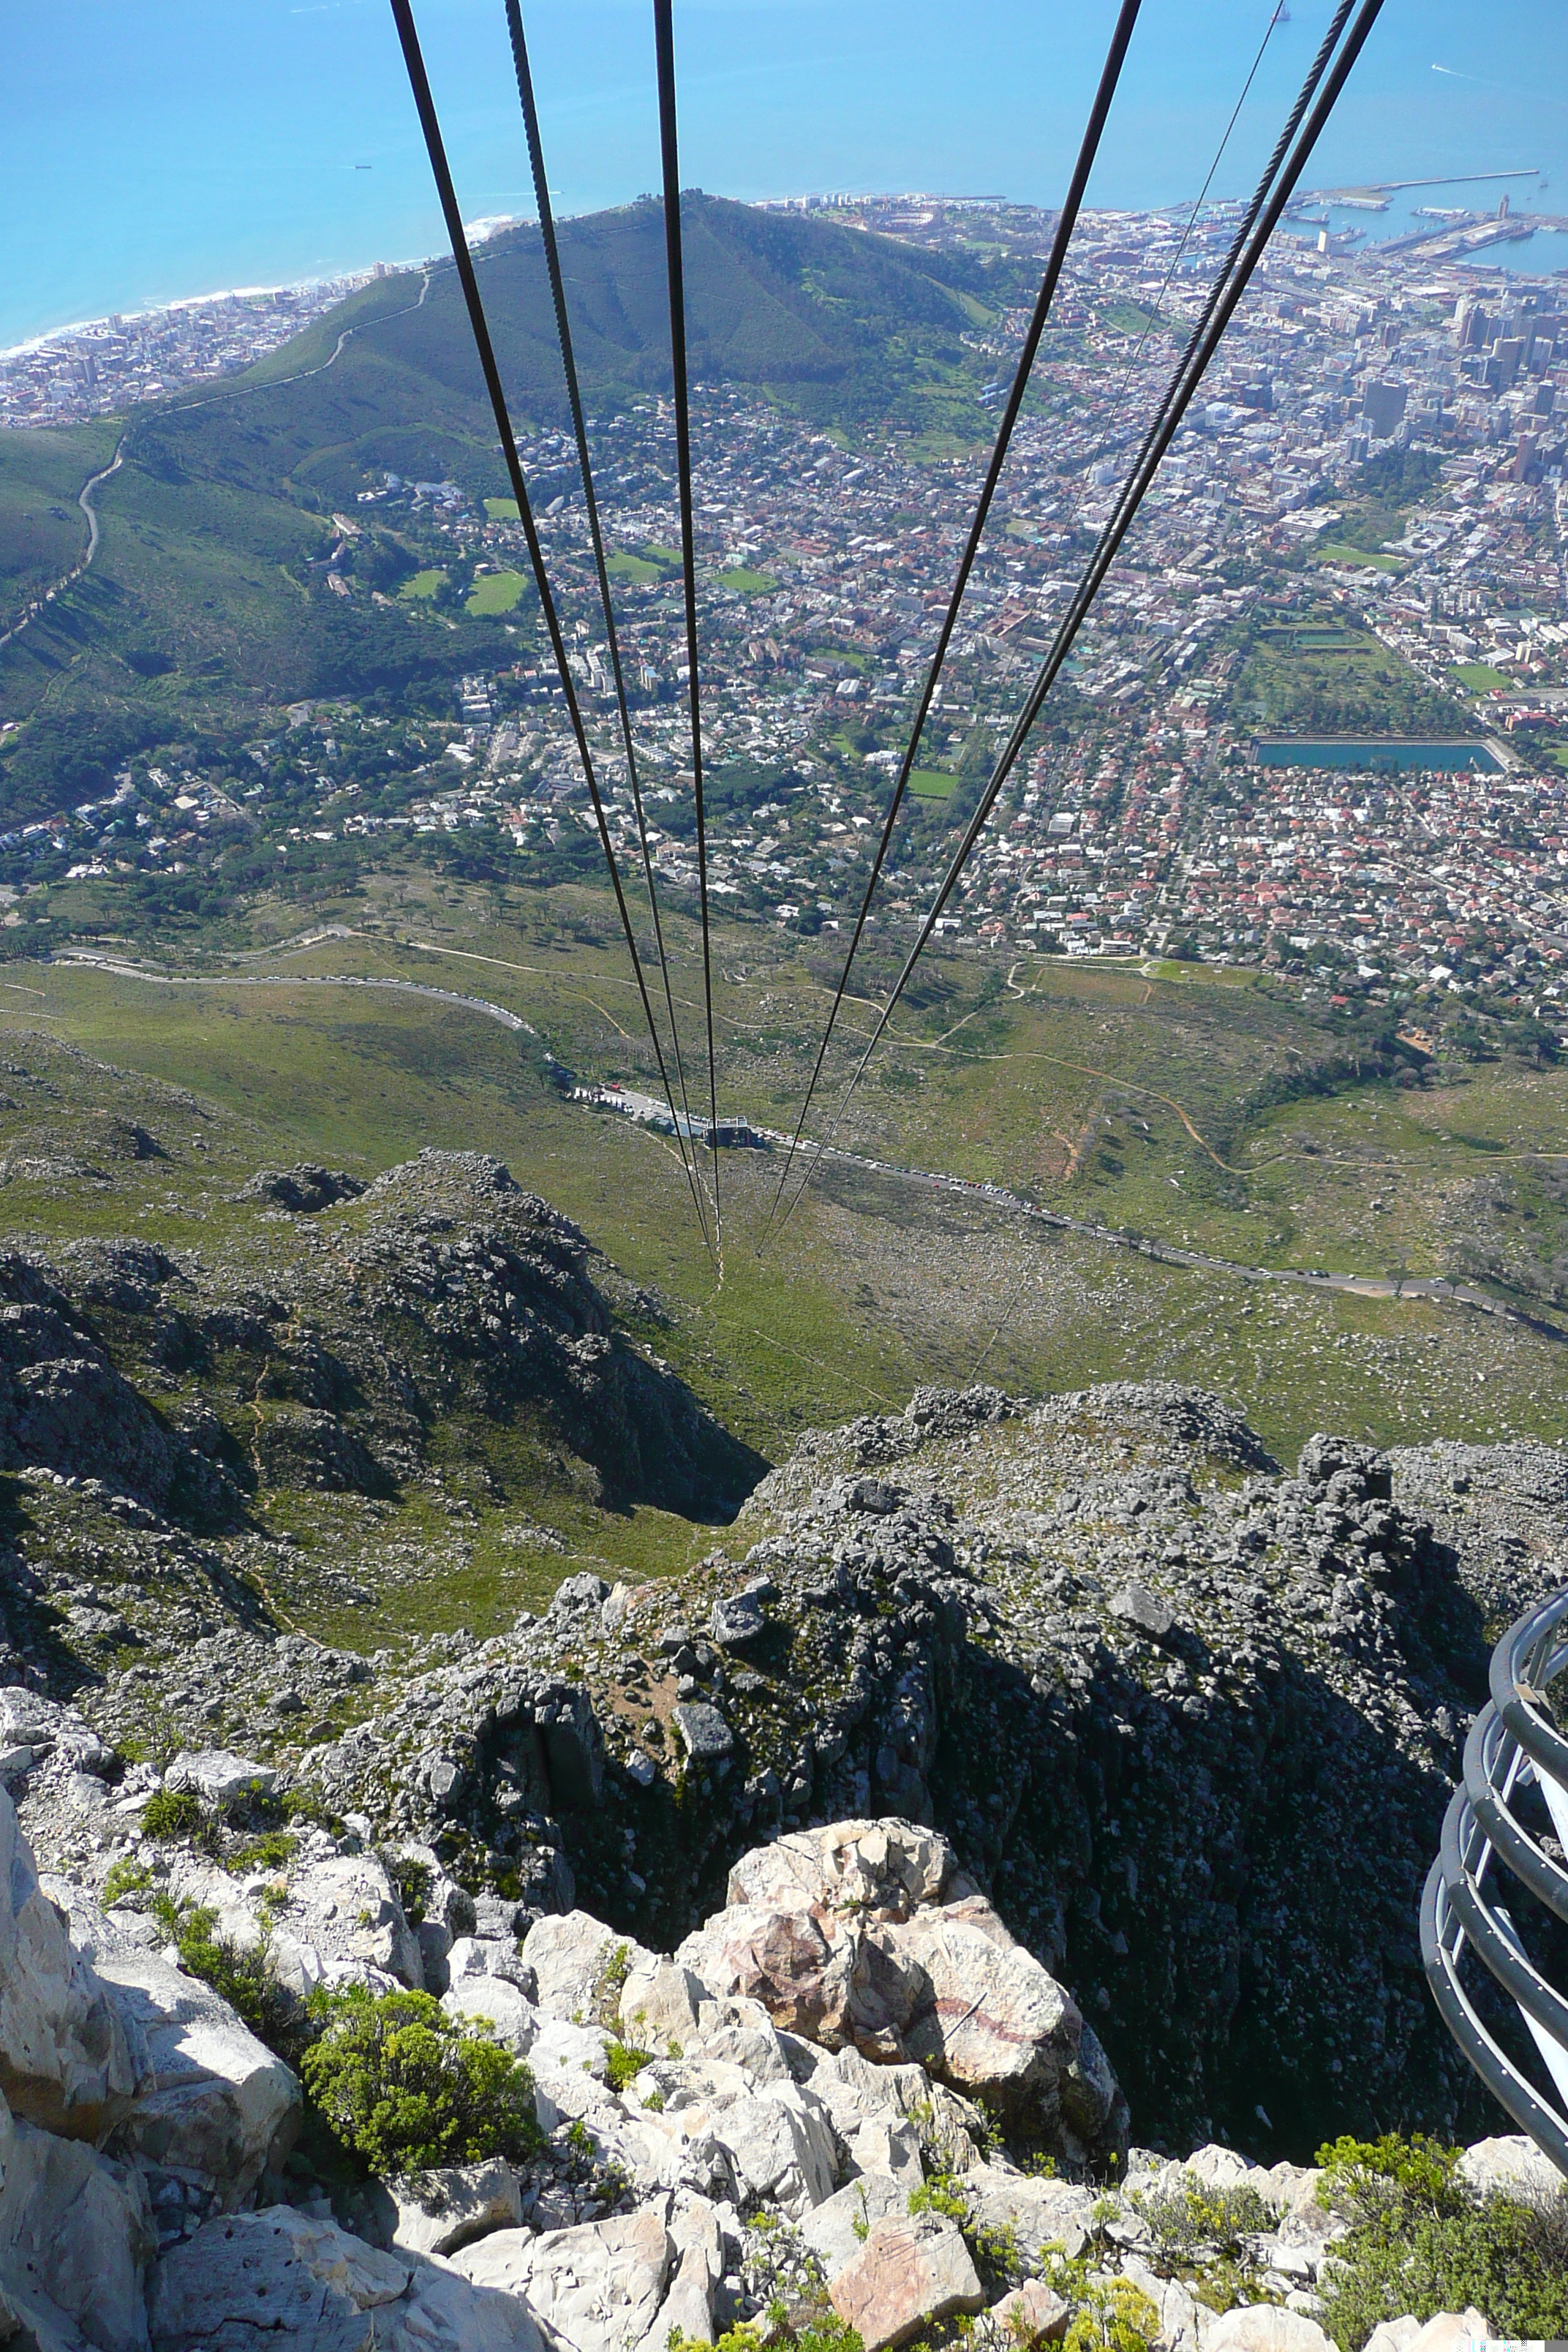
point(414, 1881)
point(1192, 2222)
point(242, 1974)
point(1421, 2239)
point(1114, 2317)
point(166, 1815)
point(625, 2064)
point(274, 1850)
point(408, 2089)
point(125, 1877)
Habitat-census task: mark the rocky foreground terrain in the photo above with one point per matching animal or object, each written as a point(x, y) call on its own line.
point(1018, 1785)
point(742, 2132)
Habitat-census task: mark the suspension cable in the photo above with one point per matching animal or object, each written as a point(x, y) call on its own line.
point(573, 394)
point(429, 122)
point(1067, 221)
point(1258, 226)
point(664, 40)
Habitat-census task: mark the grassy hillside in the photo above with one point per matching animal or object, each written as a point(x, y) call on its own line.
point(200, 600)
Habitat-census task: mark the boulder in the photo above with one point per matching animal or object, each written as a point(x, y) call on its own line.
point(579, 1967)
point(1510, 2164)
point(1032, 2314)
point(1270, 2327)
point(219, 1777)
point(490, 1956)
point(495, 2001)
point(985, 2015)
point(1450, 2331)
point(36, 1730)
point(441, 2211)
point(838, 2228)
point(251, 2276)
point(76, 2230)
point(873, 1868)
point(1185, 2324)
point(697, 2244)
point(444, 2313)
point(1039, 2212)
point(344, 1910)
point(218, 2106)
point(65, 2061)
point(796, 1962)
point(661, 2005)
point(907, 2277)
point(596, 2288)
point(704, 1734)
point(779, 2142)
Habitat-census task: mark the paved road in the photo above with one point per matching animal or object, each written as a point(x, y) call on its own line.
point(124, 971)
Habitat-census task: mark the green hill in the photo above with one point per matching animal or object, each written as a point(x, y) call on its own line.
point(203, 605)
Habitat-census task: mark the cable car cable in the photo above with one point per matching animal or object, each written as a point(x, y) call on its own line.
point(579, 426)
point(1257, 226)
point(1067, 221)
point(664, 43)
point(429, 123)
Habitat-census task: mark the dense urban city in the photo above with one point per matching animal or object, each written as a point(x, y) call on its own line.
point(1315, 721)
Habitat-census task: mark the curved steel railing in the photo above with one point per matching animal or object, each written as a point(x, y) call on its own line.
point(1512, 1744)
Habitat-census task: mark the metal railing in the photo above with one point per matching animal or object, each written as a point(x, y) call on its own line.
point(1512, 1744)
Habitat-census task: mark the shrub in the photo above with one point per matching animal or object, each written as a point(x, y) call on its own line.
point(1191, 2221)
point(274, 1850)
point(1114, 2317)
point(166, 1815)
point(414, 1881)
point(125, 1877)
point(408, 2088)
point(625, 2064)
point(242, 1974)
point(1421, 2239)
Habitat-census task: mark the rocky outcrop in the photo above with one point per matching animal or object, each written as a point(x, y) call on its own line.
point(66, 2061)
point(1188, 1723)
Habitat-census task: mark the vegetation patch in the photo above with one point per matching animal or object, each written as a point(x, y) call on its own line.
point(408, 2089)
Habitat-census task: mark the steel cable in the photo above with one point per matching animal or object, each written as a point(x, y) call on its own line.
point(664, 42)
point(1067, 221)
point(579, 426)
point(429, 123)
point(1246, 252)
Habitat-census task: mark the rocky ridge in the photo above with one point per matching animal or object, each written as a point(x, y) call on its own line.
point(734, 2131)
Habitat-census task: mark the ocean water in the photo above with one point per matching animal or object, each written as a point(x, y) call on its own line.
point(176, 147)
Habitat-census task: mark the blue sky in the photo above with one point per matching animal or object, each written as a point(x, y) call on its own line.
point(175, 146)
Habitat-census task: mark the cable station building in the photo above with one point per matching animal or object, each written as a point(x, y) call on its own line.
point(727, 1135)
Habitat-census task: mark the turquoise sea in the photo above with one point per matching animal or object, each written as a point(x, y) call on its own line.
point(176, 147)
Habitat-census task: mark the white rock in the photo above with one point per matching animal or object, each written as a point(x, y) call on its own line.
point(596, 2288)
point(490, 1956)
point(779, 2141)
point(907, 2277)
point(1032, 2314)
point(346, 1909)
point(497, 2003)
point(1450, 2331)
point(580, 1965)
point(219, 2105)
point(893, 2149)
point(1394, 2335)
point(247, 2275)
point(697, 2244)
point(452, 2206)
point(994, 2022)
point(444, 2313)
point(76, 2228)
point(66, 2061)
point(859, 1865)
point(218, 1776)
point(562, 2049)
point(1511, 2163)
point(1041, 2211)
point(43, 1731)
point(837, 2228)
point(1217, 2168)
point(1267, 2328)
point(659, 2006)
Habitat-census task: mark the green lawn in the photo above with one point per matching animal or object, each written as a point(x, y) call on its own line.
point(1480, 676)
point(745, 583)
point(932, 785)
point(1337, 553)
point(497, 592)
point(635, 569)
point(502, 511)
point(423, 584)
